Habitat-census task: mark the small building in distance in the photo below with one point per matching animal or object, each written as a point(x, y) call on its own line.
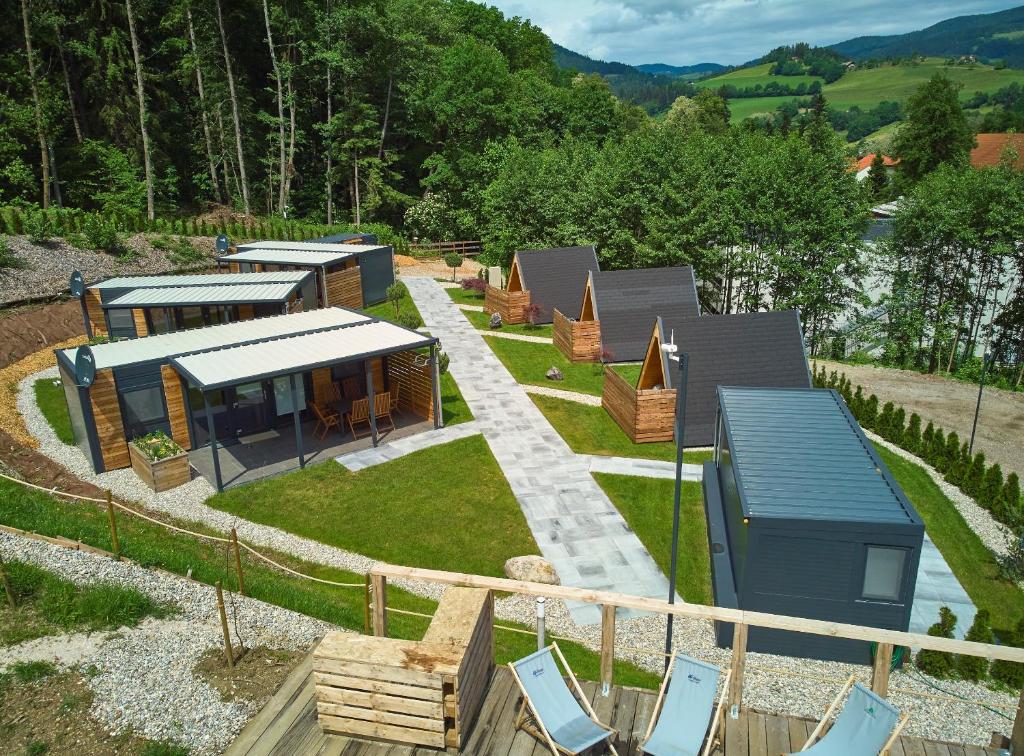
point(863, 166)
point(550, 279)
point(613, 322)
point(805, 520)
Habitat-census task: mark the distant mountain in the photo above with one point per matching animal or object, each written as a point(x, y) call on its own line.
point(664, 69)
point(565, 58)
point(990, 36)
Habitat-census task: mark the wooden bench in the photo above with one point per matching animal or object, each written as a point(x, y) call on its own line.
point(425, 692)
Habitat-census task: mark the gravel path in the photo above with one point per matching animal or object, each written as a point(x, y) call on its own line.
point(518, 337)
point(141, 678)
point(569, 396)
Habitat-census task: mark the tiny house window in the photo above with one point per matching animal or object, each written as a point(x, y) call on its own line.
point(883, 573)
point(122, 324)
point(144, 410)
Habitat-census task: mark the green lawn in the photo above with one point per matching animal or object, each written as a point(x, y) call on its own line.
point(447, 508)
point(454, 409)
point(481, 321)
point(154, 546)
point(591, 430)
point(971, 562)
point(630, 372)
point(466, 296)
point(386, 310)
point(528, 362)
point(646, 503)
point(51, 401)
point(752, 76)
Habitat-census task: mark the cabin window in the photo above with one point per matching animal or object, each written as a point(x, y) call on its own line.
point(122, 323)
point(883, 573)
point(144, 410)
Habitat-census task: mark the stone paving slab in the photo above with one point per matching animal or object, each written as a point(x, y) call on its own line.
point(574, 523)
point(364, 458)
point(644, 468)
point(936, 587)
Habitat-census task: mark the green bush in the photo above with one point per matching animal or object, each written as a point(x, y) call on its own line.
point(912, 436)
point(870, 412)
point(991, 489)
point(443, 361)
point(974, 476)
point(409, 320)
point(938, 663)
point(102, 235)
point(975, 668)
point(937, 450)
point(1009, 502)
point(1011, 674)
point(38, 228)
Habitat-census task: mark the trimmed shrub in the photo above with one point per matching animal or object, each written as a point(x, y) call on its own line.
point(870, 412)
point(974, 476)
point(948, 460)
point(1009, 501)
point(1011, 674)
point(443, 361)
point(991, 489)
point(857, 403)
point(975, 668)
point(912, 436)
point(938, 663)
point(38, 227)
point(898, 426)
point(409, 320)
point(937, 449)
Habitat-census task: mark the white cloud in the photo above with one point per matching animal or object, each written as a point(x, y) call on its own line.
point(683, 32)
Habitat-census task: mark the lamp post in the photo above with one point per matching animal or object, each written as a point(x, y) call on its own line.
point(684, 361)
point(977, 407)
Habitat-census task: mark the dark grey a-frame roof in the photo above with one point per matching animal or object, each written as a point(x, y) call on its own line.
point(626, 303)
point(556, 278)
point(761, 349)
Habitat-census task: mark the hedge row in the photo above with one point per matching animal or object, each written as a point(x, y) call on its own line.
point(944, 451)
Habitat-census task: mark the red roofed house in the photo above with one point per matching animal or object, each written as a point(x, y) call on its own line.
point(863, 166)
point(991, 146)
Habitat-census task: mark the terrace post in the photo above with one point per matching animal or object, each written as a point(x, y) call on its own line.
point(739, 660)
point(370, 398)
point(380, 605)
point(298, 421)
point(607, 647)
point(880, 670)
point(1017, 735)
point(435, 386)
point(213, 441)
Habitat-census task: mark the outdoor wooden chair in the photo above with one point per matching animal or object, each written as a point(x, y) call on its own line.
point(350, 388)
point(382, 409)
point(325, 419)
point(359, 415)
point(393, 391)
point(685, 714)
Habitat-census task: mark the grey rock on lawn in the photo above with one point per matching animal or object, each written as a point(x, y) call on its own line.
point(554, 374)
point(534, 569)
point(495, 321)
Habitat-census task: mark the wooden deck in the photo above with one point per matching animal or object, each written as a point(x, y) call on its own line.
point(287, 726)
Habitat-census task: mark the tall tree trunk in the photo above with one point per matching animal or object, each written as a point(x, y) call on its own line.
point(146, 158)
point(387, 112)
point(202, 105)
point(234, 109)
point(53, 175)
point(44, 156)
point(290, 164)
point(67, 83)
point(280, 108)
point(328, 182)
point(225, 159)
point(355, 185)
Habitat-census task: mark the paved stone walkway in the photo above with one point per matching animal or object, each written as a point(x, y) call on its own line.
point(575, 524)
point(360, 460)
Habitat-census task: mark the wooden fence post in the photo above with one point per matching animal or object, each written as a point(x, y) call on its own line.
point(7, 587)
point(238, 561)
point(1017, 735)
point(114, 540)
point(380, 605)
point(880, 670)
point(228, 651)
point(607, 647)
point(739, 660)
point(366, 607)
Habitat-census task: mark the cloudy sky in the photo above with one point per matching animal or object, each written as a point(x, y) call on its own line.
point(683, 32)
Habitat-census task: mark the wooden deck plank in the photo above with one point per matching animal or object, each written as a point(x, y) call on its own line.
point(912, 746)
point(296, 685)
point(641, 718)
point(736, 741)
point(776, 734)
point(623, 716)
point(935, 749)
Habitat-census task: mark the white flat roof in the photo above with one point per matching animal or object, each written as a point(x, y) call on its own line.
point(308, 246)
point(296, 354)
point(296, 253)
point(182, 296)
point(162, 347)
point(208, 279)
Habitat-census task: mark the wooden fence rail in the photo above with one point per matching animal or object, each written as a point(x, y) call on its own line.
point(887, 640)
point(464, 248)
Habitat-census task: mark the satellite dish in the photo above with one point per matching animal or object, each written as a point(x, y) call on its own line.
point(223, 243)
point(77, 284)
point(85, 366)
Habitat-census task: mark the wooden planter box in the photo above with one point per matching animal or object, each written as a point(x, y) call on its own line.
point(163, 474)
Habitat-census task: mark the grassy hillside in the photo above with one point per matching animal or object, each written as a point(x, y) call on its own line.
point(751, 76)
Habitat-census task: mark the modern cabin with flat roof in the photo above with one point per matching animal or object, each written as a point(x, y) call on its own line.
point(127, 307)
point(548, 279)
point(613, 322)
point(256, 384)
point(347, 275)
point(805, 520)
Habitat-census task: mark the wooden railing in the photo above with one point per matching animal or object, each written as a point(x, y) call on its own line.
point(578, 340)
point(508, 304)
point(464, 248)
point(645, 416)
point(887, 640)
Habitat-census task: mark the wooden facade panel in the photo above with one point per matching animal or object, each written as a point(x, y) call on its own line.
point(644, 416)
point(106, 412)
point(415, 387)
point(359, 727)
point(377, 371)
point(139, 316)
point(508, 304)
point(94, 311)
point(246, 312)
point(177, 412)
point(323, 385)
point(578, 340)
point(345, 288)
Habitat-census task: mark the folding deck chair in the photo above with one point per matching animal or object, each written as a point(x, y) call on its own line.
point(565, 722)
point(683, 712)
point(868, 725)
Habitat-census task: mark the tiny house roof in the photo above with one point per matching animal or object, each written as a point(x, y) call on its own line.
point(185, 296)
point(343, 238)
point(626, 302)
point(555, 277)
point(312, 254)
point(118, 354)
point(798, 454)
point(749, 349)
point(208, 279)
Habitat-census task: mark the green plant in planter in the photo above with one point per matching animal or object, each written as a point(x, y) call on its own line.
point(157, 445)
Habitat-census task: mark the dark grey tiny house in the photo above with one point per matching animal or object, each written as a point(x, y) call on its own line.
point(805, 520)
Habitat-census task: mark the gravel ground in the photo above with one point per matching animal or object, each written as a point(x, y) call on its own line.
point(50, 265)
point(569, 396)
point(141, 678)
point(781, 684)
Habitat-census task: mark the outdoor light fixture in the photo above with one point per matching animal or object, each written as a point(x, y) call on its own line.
point(540, 622)
point(977, 408)
point(670, 351)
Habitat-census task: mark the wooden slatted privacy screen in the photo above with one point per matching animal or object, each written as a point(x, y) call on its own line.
point(345, 288)
point(106, 411)
point(415, 387)
point(94, 311)
point(508, 304)
point(579, 341)
point(645, 416)
point(322, 381)
point(246, 312)
point(377, 371)
point(177, 414)
point(139, 316)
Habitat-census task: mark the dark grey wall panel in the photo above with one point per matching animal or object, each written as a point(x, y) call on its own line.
point(377, 271)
